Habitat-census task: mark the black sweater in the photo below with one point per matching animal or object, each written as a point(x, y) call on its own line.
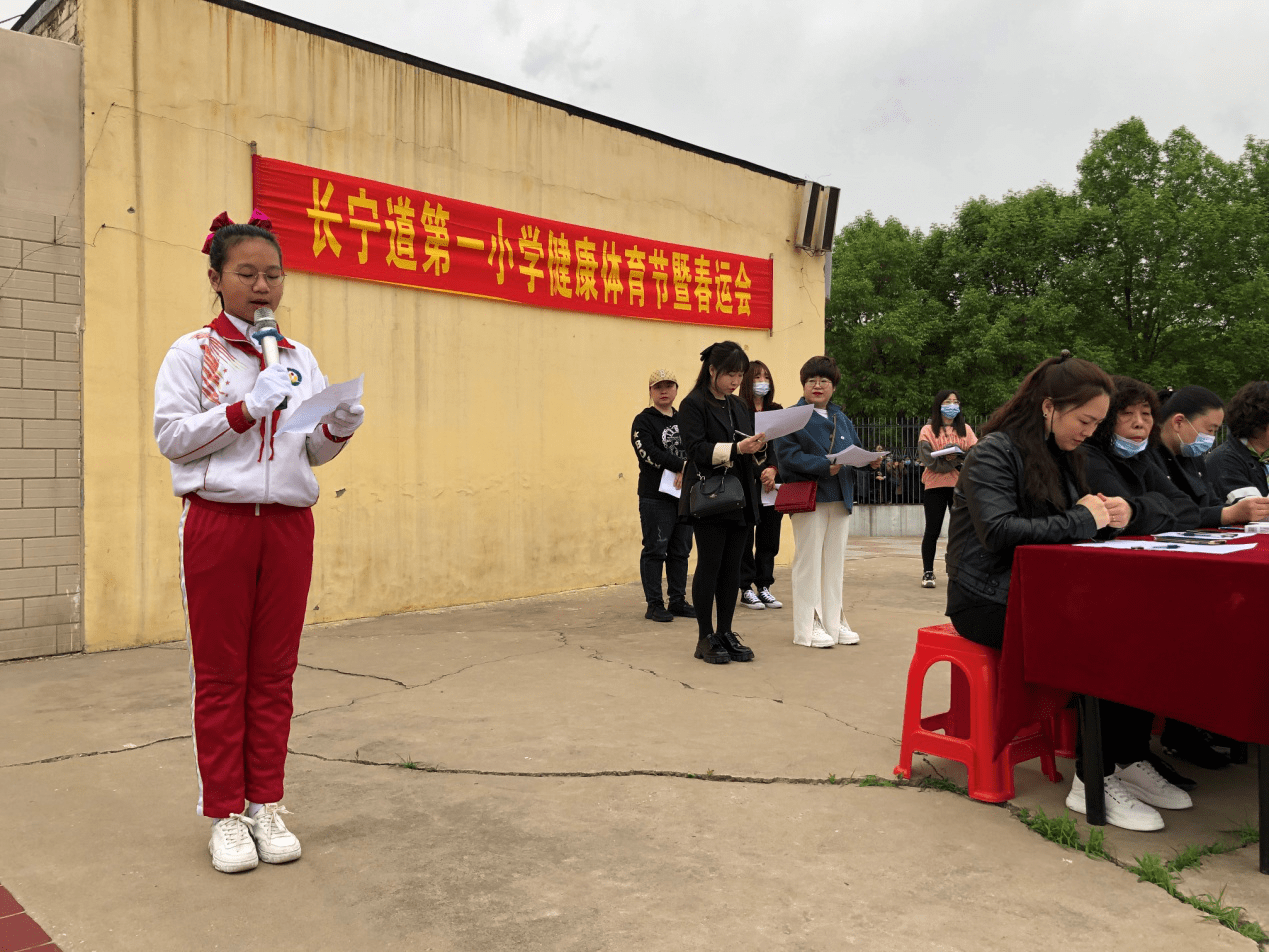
point(658, 445)
point(1188, 474)
point(1232, 466)
point(1157, 505)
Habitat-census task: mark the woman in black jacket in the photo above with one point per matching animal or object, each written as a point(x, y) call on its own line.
point(717, 432)
point(1118, 463)
point(1023, 484)
point(1239, 467)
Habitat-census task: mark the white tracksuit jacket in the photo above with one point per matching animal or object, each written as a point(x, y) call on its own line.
point(201, 425)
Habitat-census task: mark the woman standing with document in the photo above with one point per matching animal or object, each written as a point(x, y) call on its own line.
point(941, 448)
point(820, 536)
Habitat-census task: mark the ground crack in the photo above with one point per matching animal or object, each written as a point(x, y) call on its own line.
point(98, 753)
point(354, 674)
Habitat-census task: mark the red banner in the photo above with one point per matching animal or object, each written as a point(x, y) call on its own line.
point(351, 227)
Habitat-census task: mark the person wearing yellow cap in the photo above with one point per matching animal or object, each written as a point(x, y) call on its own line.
point(666, 541)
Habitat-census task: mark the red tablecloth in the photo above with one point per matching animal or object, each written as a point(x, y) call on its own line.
point(1181, 634)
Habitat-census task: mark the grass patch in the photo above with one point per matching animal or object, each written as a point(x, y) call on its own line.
point(1247, 834)
point(872, 780)
point(832, 778)
point(942, 783)
point(414, 765)
point(1062, 830)
point(1151, 869)
point(1231, 917)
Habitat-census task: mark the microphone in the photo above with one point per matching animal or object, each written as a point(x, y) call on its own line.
point(266, 333)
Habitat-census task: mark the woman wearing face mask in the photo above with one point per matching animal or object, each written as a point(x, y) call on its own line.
point(1189, 420)
point(1239, 467)
point(947, 428)
point(714, 426)
point(757, 565)
point(1118, 464)
point(1023, 484)
point(820, 536)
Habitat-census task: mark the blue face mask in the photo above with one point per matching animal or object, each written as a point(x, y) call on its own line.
point(1202, 443)
point(949, 410)
point(1127, 448)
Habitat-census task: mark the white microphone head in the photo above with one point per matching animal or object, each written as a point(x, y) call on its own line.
point(264, 318)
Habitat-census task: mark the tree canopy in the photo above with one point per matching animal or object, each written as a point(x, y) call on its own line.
point(1154, 266)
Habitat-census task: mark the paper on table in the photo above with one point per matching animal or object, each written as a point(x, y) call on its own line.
point(1168, 546)
point(768, 498)
point(307, 415)
point(782, 422)
point(855, 456)
point(948, 450)
point(667, 483)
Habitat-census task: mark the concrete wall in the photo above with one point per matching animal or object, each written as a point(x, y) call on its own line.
point(495, 461)
point(41, 255)
point(890, 521)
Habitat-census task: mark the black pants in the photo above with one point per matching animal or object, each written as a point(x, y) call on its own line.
point(668, 542)
point(937, 502)
point(719, 546)
point(757, 565)
point(1125, 730)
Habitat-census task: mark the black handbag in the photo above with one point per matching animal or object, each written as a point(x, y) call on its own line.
point(718, 493)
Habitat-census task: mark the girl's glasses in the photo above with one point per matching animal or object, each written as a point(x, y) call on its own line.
point(273, 278)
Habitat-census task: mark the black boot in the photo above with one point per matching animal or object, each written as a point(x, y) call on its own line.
point(735, 650)
point(1189, 743)
point(712, 648)
point(656, 612)
point(682, 608)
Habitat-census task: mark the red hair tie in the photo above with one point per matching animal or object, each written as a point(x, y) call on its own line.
point(258, 218)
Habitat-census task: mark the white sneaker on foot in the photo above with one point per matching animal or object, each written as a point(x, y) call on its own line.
point(750, 600)
point(765, 596)
point(821, 638)
point(1145, 783)
point(274, 841)
point(847, 637)
point(927, 580)
point(232, 848)
point(1122, 808)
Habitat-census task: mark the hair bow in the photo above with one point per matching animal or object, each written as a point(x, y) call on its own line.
point(258, 218)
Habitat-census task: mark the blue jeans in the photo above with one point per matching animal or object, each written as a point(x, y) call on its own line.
point(666, 541)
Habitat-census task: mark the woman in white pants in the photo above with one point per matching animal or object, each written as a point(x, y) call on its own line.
point(820, 536)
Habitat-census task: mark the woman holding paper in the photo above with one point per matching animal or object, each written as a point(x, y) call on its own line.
point(757, 565)
point(246, 537)
point(820, 536)
point(941, 448)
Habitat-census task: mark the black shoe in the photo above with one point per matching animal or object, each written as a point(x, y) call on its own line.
point(735, 650)
point(712, 648)
point(1237, 749)
point(658, 613)
point(683, 609)
point(1168, 773)
point(1194, 746)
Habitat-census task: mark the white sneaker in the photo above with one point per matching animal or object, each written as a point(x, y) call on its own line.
point(821, 638)
point(232, 848)
point(927, 580)
point(847, 637)
point(768, 599)
point(275, 842)
point(1122, 808)
point(1147, 785)
point(750, 600)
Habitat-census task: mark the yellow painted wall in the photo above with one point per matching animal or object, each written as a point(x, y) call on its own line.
point(495, 461)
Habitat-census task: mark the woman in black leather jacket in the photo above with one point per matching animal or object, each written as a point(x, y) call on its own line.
point(1024, 484)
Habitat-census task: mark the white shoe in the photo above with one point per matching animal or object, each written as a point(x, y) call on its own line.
point(1122, 808)
point(821, 638)
point(232, 848)
point(768, 599)
point(1147, 785)
point(750, 600)
point(927, 580)
point(275, 842)
point(847, 637)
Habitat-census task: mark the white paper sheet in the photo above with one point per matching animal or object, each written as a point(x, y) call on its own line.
point(947, 451)
point(856, 456)
point(768, 498)
point(307, 415)
point(1230, 536)
point(776, 423)
point(1168, 546)
point(667, 483)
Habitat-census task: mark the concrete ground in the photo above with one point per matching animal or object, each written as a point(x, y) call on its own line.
point(580, 782)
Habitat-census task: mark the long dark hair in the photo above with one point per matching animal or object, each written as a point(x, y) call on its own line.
point(746, 385)
point(1128, 393)
point(936, 415)
point(725, 356)
point(1069, 382)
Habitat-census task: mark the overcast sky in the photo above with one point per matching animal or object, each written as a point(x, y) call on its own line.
point(909, 107)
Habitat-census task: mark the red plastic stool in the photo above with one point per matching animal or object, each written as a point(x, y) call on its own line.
point(1061, 728)
point(968, 726)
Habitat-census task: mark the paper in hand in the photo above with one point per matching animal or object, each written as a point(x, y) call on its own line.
point(855, 456)
point(307, 415)
point(776, 423)
point(947, 451)
point(667, 483)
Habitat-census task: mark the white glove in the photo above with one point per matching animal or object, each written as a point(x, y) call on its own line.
point(272, 387)
point(344, 419)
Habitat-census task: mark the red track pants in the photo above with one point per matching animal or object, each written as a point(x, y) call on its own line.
point(245, 579)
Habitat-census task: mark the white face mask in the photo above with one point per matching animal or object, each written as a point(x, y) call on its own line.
point(761, 388)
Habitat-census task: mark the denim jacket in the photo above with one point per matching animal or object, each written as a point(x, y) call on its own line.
point(803, 456)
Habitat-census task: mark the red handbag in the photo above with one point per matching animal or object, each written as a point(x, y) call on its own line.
point(796, 497)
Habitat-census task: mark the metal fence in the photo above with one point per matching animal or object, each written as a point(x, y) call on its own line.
point(898, 480)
